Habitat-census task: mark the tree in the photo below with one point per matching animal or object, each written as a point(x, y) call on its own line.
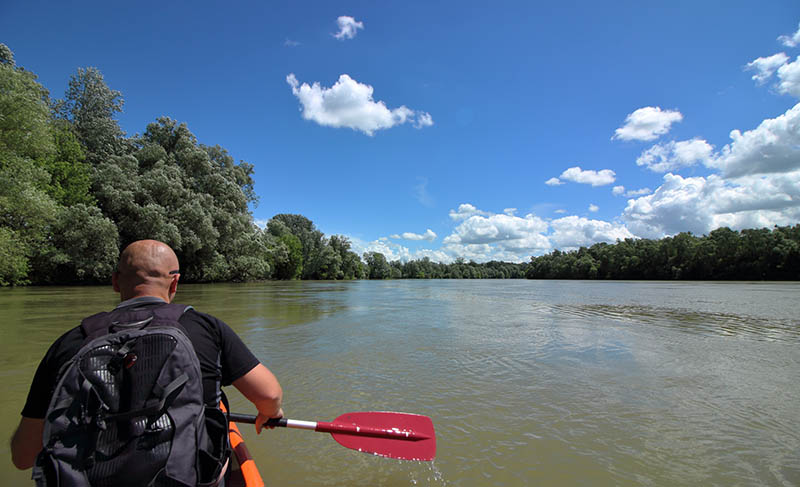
point(90, 106)
point(188, 195)
point(311, 239)
point(24, 114)
point(377, 266)
point(85, 247)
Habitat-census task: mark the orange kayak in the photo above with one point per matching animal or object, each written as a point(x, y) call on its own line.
point(243, 470)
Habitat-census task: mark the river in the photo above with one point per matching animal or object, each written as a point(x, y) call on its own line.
point(528, 382)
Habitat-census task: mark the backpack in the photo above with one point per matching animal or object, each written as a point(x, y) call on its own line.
point(128, 408)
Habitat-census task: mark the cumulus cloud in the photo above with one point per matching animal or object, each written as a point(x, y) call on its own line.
point(429, 235)
point(465, 211)
point(789, 78)
point(554, 182)
point(772, 147)
point(792, 40)
point(349, 103)
point(578, 175)
point(700, 205)
point(508, 231)
point(348, 27)
point(647, 123)
point(766, 66)
point(572, 232)
point(673, 155)
point(594, 208)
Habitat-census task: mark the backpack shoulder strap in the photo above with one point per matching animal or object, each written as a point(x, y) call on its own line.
point(170, 311)
point(96, 325)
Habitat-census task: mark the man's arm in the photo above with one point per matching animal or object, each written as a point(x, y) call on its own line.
point(27, 442)
point(261, 387)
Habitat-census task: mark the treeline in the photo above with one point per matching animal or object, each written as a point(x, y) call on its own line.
point(379, 268)
point(74, 189)
point(761, 254)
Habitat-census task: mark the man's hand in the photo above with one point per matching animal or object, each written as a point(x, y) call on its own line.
point(262, 419)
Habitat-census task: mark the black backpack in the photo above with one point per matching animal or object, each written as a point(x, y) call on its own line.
point(128, 409)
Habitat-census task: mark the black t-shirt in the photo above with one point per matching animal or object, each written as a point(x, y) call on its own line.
point(208, 335)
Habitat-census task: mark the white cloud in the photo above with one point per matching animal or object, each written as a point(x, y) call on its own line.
point(554, 182)
point(510, 211)
point(789, 78)
point(290, 43)
point(561, 211)
point(766, 66)
point(595, 178)
point(503, 232)
point(261, 222)
point(594, 208)
point(700, 205)
point(792, 40)
point(571, 232)
point(429, 235)
point(647, 123)
point(466, 210)
point(620, 190)
point(675, 155)
point(772, 147)
point(348, 27)
point(349, 103)
point(638, 192)
point(424, 119)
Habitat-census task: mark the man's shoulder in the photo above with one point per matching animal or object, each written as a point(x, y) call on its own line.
point(65, 347)
point(193, 315)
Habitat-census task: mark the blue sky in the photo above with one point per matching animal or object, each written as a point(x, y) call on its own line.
point(483, 130)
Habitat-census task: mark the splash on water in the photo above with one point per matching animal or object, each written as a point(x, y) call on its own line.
point(428, 474)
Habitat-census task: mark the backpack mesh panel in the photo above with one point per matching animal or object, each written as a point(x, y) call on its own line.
point(123, 389)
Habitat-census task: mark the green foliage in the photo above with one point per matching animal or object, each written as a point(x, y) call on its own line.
point(24, 115)
point(192, 197)
point(723, 254)
point(85, 247)
point(14, 265)
point(378, 267)
point(90, 106)
point(6, 56)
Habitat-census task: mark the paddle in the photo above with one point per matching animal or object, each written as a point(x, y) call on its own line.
point(394, 435)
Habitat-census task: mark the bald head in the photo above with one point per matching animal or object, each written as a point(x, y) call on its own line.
point(147, 268)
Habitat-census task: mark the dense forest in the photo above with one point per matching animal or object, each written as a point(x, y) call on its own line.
point(723, 254)
point(75, 189)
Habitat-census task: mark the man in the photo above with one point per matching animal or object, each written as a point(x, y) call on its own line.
point(147, 275)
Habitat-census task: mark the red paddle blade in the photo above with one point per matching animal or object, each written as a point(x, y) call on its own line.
point(395, 435)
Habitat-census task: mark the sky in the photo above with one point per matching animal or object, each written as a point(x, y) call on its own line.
point(481, 130)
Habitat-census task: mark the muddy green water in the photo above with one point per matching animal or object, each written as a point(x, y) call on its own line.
point(528, 382)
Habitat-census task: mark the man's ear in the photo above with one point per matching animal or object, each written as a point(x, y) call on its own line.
point(173, 286)
point(115, 281)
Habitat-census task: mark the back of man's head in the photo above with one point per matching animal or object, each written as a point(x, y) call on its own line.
point(147, 268)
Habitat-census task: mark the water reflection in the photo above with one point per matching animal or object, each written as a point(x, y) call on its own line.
point(691, 321)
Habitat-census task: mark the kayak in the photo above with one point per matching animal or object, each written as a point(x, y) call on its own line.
point(243, 469)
